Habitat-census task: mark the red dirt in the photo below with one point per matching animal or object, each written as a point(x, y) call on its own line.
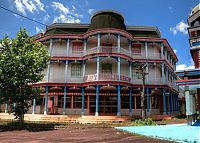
point(75, 135)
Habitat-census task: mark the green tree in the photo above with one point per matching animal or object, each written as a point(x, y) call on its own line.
point(21, 61)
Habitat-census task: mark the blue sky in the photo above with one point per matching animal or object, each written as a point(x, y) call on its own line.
point(170, 16)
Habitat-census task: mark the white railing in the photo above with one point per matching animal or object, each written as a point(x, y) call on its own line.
point(105, 77)
point(74, 79)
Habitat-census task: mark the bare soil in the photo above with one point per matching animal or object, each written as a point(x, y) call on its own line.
point(75, 135)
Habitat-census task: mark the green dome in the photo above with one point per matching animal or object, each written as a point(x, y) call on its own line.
point(107, 19)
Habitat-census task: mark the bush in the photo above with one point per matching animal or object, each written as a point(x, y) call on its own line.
point(145, 122)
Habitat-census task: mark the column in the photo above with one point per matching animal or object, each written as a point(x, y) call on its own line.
point(97, 68)
point(34, 106)
point(161, 53)
point(147, 71)
point(84, 68)
point(130, 70)
point(130, 48)
point(118, 43)
point(130, 101)
point(6, 108)
point(98, 42)
point(166, 78)
point(118, 68)
point(146, 51)
point(64, 102)
point(164, 102)
point(83, 95)
point(171, 103)
point(14, 105)
point(97, 101)
point(46, 101)
point(66, 69)
point(162, 72)
point(85, 46)
point(49, 62)
point(118, 100)
point(68, 46)
point(148, 100)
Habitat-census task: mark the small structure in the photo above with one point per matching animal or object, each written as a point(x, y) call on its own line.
point(189, 80)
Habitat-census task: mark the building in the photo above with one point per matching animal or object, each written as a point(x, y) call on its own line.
point(189, 80)
point(93, 69)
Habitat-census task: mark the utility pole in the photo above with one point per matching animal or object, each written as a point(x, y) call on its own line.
point(141, 74)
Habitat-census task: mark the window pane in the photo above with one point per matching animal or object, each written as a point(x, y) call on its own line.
point(76, 70)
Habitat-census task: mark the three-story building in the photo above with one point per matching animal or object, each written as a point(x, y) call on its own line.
point(93, 69)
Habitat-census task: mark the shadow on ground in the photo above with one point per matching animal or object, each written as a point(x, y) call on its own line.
point(32, 127)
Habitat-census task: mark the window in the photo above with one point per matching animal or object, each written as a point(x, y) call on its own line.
point(107, 68)
point(136, 49)
point(77, 46)
point(78, 102)
point(154, 102)
point(61, 101)
point(76, 70)
point(138, 102)
point(125, 102)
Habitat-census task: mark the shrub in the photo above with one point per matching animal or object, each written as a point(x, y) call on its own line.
point(145, 122)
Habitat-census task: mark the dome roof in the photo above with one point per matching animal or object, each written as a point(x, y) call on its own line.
point(107, 19)
point(196, 8)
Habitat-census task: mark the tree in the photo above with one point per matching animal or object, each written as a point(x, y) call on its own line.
point(21, 61)
point(141, 74)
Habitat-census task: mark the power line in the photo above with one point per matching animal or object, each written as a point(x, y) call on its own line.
point(22, 16)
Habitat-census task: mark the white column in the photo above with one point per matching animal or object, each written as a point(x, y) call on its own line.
point(34, 106)
point(118, 68)
point(84, 68)
point(68, 47)
point(66, 69)
point(130, 48)
point(49, 62)
point(98, 42)
point(118, 43)
point(146, 50)
point(85, 47)
point(162, 72)
point(97, 68)
point(161, 54)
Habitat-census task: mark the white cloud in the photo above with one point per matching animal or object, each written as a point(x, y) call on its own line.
point(38, 30)
point(180, 27)
point(46, 18)
point(65, 19)
point(60, 7)
point(30, 6)
point(90, 11)
point(66, 15)
point(185, 67)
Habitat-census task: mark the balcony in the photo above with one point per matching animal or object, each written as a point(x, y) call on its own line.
point(106, 77)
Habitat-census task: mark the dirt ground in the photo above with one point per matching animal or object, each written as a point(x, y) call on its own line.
point(69, 135)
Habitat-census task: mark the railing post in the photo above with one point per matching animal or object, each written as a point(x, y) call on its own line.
point(46, 101)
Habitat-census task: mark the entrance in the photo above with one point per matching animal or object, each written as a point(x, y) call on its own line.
point(107, 105)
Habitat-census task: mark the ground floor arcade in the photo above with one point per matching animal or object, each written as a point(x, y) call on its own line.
point(103, 100)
